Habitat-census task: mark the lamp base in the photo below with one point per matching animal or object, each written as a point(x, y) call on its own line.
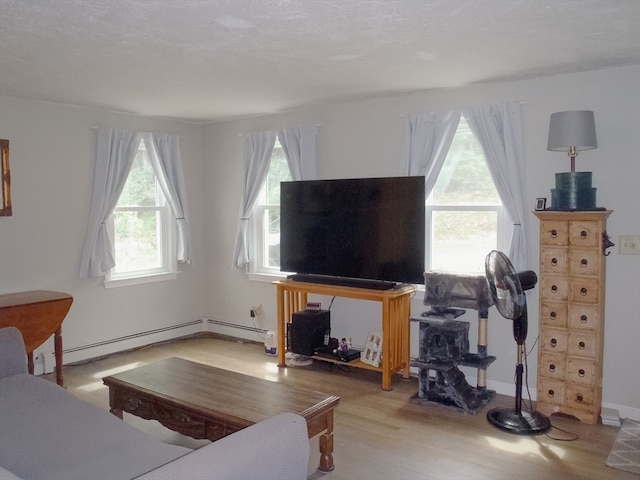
point(573, 192)
point(523, 423)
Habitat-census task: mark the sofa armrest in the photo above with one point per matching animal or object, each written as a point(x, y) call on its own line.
point(274, 448)
point(13, 355)
point(7, 475)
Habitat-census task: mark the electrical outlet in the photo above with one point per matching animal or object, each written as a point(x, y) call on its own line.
point(39, 364)
point(629, 245)
point(255, 311)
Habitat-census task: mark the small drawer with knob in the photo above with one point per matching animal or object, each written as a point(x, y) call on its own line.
point(552, 366)
point(551, 391)
point(582, 344)
point(583, 261)
point(580, 397)
point(554, 340)
point(554, 314)
point(583, 317)
point(554, 233)
point(584, 234)
point(554, 287)
point(554, 260)
point(584, 290)
point(581, 371)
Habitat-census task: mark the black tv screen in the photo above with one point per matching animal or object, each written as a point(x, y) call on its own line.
point(360, 228)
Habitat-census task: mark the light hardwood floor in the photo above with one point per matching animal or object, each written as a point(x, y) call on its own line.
point(380, 434)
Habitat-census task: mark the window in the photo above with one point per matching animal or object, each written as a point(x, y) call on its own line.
point(465, 217)
point(140, 228)
point(266, 216)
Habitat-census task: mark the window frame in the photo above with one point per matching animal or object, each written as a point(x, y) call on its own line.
point(502, 225)
point(503, 222)
point(257, 269)
point(167, 237)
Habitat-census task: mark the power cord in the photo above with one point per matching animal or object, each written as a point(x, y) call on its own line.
point(572, 435)
point(331, 303)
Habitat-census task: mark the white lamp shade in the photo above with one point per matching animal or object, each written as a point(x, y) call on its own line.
point(572, 129)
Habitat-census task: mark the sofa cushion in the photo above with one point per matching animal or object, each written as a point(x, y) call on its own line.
point(45, 432)
point(13, 356)
point(278, 446)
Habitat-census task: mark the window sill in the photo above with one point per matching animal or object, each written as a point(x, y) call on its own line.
point(266, 277)
point(154, 277)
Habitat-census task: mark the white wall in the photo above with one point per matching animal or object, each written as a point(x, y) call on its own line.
point(52, 155)
point(364, 139)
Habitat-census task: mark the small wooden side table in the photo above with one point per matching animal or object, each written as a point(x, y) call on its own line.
point(38, 314)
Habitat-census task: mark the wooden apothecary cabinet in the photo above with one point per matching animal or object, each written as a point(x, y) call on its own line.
point(572, 299)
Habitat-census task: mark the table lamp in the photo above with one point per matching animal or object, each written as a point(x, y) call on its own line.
point(572, 132)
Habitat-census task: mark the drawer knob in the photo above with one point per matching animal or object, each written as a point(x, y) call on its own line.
point(581, 372)
point(553, 315)
point(584, 262)
point(554, 343)
point(554, 261)
point(554, 288)
point(579, 397)
point(581, 345)
point(554, 233)
point(551, 393)
point(583, 319)
point(583, 234)
point(583, 291)
point(552, 368)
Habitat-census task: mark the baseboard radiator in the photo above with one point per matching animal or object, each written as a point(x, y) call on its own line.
point(259, 331)
point(131, 337)
point(44, 360)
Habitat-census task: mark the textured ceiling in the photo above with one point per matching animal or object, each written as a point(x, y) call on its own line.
point(210, 60)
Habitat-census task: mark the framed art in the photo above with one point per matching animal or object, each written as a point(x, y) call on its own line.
point(372, 352)
point(541, 203)
point(5, 179)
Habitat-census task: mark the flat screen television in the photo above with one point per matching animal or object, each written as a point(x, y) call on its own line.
point(367, 229)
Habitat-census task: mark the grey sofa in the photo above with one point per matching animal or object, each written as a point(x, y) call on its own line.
point(48, 434)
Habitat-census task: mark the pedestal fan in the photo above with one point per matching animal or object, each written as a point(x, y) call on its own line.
point(507, 291)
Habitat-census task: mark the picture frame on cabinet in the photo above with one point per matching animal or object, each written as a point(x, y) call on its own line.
point(541, 204)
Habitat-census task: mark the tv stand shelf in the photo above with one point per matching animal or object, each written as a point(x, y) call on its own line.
point(396, 310)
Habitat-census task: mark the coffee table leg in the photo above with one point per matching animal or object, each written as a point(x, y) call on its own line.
point(326, 446)
point(117, 412)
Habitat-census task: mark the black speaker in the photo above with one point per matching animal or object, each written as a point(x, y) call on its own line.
point(307, 331)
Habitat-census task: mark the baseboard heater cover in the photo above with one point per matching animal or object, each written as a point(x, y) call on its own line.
point(248, 328)
point(132, 336)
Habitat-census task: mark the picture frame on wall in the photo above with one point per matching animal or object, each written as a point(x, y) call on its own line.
point(5, 180)
point(541, 204)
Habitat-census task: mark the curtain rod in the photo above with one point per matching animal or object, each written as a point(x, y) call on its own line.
point(179, 136)
point(317, 125)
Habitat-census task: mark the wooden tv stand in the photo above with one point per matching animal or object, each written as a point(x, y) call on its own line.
point(396, 310)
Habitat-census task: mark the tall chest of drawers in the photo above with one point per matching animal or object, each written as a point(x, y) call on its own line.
point(572, 296)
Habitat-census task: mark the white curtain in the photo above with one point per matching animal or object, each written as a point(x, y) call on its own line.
point(299, 146)
point(258, 147)
point(427, 139)
point(164, 154)
point(499, 130)
point(114, 156)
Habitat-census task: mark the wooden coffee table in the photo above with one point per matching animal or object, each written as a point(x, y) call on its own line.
point(207, 402)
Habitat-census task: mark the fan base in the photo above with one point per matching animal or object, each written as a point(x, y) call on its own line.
point(523, 423)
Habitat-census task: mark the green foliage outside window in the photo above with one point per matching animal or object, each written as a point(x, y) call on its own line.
point(278, 172)
point(136, 230)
